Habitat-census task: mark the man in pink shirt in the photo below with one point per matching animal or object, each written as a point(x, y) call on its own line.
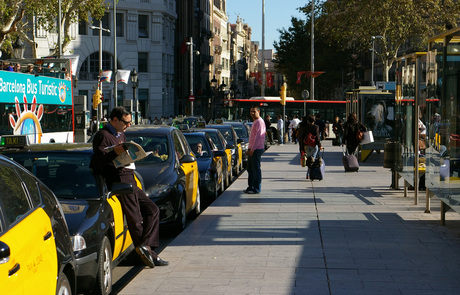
point(255, 151)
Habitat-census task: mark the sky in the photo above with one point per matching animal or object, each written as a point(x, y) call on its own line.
point(278, 15)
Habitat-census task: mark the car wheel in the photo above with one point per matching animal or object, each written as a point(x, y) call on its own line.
point(104, 273)
point(181, 220)
point(63, 285)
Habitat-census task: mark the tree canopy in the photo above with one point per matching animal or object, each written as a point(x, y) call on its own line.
point(398, 22)
point(17, 17)
point(294, 55)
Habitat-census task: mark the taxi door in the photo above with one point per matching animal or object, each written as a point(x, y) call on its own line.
point(190, 170)
point(122, 236)
point(32, 266)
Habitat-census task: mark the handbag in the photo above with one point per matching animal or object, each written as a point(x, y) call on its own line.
point(368, 137)
point(310, 140)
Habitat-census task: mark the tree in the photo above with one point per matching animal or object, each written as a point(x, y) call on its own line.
point(293, 51)
point(398, 22)
point(18, 17)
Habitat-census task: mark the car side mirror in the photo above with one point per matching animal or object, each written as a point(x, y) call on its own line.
point(187, 159)
point(4, 253)
point(219, 153)
point(121, 188)
point(240, 140)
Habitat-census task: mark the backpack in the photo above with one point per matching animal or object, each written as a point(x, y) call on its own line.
point(310, 139)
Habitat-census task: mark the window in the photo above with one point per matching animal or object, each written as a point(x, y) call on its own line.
point(105, 24)
point(143, 62)
point(14, 200)
point(89, 69)
point(143, 26)
point(32, 187)
point(120, 25)
point(82, 27)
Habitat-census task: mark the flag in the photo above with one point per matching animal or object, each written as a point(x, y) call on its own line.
point(269, 79)
point(299, 76)
point(123, 76)
point(105, 76)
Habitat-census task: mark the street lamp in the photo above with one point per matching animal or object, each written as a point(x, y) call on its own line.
point(134, 81)
point(214, 89)
point(18, 48)
point(373, 50)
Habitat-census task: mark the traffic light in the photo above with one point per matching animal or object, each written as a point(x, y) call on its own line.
point(283, 94)
point(96, 99)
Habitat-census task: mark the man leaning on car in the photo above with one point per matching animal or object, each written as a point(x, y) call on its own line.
point(141, 213)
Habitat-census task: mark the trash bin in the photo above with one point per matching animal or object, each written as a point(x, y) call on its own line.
point(392, 156)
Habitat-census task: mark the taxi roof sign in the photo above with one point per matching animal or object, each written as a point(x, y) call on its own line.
point(201, 124)
point(218, 121)
point(14, 141)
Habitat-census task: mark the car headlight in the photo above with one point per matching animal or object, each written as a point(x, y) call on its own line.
point(158, 190)
point(78, 243)
point(245, 146)
point(233, 151)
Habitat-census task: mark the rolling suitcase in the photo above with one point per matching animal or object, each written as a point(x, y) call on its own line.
point(350, 162)
point(316, 170)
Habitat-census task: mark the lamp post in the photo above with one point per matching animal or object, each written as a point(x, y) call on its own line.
point(222, 91)
point(214, 87)
point(373, 50)
point(134, 81)
point(99, 84)
point(18, 48)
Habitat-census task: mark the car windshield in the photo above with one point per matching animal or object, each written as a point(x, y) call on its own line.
point(66, 174)
point(241, 131)
point(227, 133)
point(155, 143)
point(198, 144)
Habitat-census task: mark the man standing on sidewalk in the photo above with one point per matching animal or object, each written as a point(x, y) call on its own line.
point(280, 127)
point(254, 152)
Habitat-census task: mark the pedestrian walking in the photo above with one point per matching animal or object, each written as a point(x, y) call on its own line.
point(309, 140)
point(294, 125)
point(321, 125)
point(351, 128)
point(269, 130)
point(142, 214)
point(280, 127)
point(255, 150)
point(337, 128)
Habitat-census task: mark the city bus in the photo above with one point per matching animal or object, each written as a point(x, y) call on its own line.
point(238, 109)
point(37, 100)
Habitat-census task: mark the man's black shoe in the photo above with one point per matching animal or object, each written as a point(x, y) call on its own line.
point(160, 262)
point(247, 191)
point(252, 192)
point(146, 256)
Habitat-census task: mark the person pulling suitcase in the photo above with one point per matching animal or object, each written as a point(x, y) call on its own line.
point(309, 139)
point(352, 135)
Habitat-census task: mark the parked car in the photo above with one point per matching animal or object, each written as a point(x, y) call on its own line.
point(232, 139)
point(170, 173)
point(99, 235)
point(221, 144)
point(210, 165)
point(243, 132)
point(35, 247)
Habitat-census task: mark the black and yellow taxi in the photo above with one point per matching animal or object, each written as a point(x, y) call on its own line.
point(232, 139)
point(210, 165)
point(170, 173)
point(243, 132)
point(221, 144)
point(36, 255)
point(99, 233)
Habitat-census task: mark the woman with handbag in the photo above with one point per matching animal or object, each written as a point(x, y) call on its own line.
point(352, 132)
point(309, 139)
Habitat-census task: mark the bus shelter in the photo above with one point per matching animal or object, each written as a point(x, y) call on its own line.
point(441, 114)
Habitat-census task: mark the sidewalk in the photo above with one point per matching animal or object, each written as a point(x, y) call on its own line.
point(348, 234)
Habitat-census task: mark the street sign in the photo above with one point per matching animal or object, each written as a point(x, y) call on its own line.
point(305, 94)
point(191, 97)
